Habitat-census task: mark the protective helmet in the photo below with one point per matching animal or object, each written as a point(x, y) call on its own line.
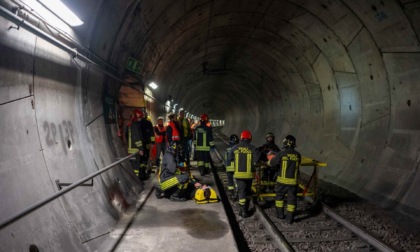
point(139, 113)
point(246, 135)
point(269, 134)
point(171, 115)
point(204, 117)
point(234, 138)
point(289, 141)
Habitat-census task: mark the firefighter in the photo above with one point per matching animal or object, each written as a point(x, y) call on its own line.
point(160, 139)
point(287, 180)
point(244, 155)
point(142, 135)
point(136, 142)
point(203, 141)
point(186, 136)
point(230, 167)
point(270, 147)
point(172, 182)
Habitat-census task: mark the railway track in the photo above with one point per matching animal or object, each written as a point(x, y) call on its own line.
point(317, 227)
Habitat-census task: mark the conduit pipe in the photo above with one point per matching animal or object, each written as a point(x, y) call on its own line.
point(72, 51)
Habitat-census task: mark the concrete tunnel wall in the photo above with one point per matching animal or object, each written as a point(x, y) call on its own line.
point(342, 76)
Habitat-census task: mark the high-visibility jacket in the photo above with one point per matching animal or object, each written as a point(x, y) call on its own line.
point(244, 155)
point(289, 161)
point(186, 130)
point(203, 139)
point(160, 133)
point(135, 138)
point(230, 167)
point(172, 132)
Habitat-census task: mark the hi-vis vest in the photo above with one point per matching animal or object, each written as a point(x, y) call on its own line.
point(160, 138)
point(175, 132)
point(289, 161)
point(244, 155)
point(203, 138)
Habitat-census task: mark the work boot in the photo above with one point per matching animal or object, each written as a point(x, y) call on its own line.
point(178, 196)
point(243, 211)
point(159, 192)
point(290, 216)
point(280, 212)
point(201, 170)
point(231, 193)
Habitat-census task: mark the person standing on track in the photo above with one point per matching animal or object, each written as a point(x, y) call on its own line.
point(203, 142)
point(287, 179)
point(244, 155)
point(230, 167)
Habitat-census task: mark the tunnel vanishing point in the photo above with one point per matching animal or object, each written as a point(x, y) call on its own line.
point(343, 76)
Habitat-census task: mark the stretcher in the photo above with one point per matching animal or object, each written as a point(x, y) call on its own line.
point(263, 189)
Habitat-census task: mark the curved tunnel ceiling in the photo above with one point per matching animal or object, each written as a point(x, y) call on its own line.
point(330, 72)
point(249, 46)
point(342, 76)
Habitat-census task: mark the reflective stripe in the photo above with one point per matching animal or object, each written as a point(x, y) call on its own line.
point(202, 148)
point(138, 143)
point(231, 167)
point(165, 185)
point(279, 203)
point(287, 181)
point(243, 175)
point(291, 208)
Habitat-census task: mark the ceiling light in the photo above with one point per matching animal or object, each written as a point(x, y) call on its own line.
point(62, 11)
point(153, 85)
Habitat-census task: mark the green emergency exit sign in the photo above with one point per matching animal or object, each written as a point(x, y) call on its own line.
point(133, 65)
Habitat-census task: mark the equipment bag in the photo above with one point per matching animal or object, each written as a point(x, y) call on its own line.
point(203, 196)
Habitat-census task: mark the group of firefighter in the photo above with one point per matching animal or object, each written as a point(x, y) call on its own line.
point(174, 140)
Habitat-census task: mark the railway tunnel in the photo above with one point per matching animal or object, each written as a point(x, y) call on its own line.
point(342, 76)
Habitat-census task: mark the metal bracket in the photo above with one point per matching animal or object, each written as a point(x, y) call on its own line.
point(60, 185)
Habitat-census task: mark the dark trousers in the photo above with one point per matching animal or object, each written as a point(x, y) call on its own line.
point(203, 158)
point(281, 190)
point(244, 190)
point(186, 148)
point(160, 148)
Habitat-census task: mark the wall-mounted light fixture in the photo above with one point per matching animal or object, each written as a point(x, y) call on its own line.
point(61, 11)
point(153, 85)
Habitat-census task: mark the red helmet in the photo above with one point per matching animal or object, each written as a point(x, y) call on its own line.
point(204, 117)
point(139, 113)
point(246, 135)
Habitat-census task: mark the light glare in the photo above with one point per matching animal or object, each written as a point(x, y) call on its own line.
point(62, 11)
point(153, 85)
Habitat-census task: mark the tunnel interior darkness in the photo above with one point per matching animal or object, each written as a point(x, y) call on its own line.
point(342, 76)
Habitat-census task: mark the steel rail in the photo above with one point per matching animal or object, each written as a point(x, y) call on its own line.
point(52, 197)
point(280, 241)
point(378, 244)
